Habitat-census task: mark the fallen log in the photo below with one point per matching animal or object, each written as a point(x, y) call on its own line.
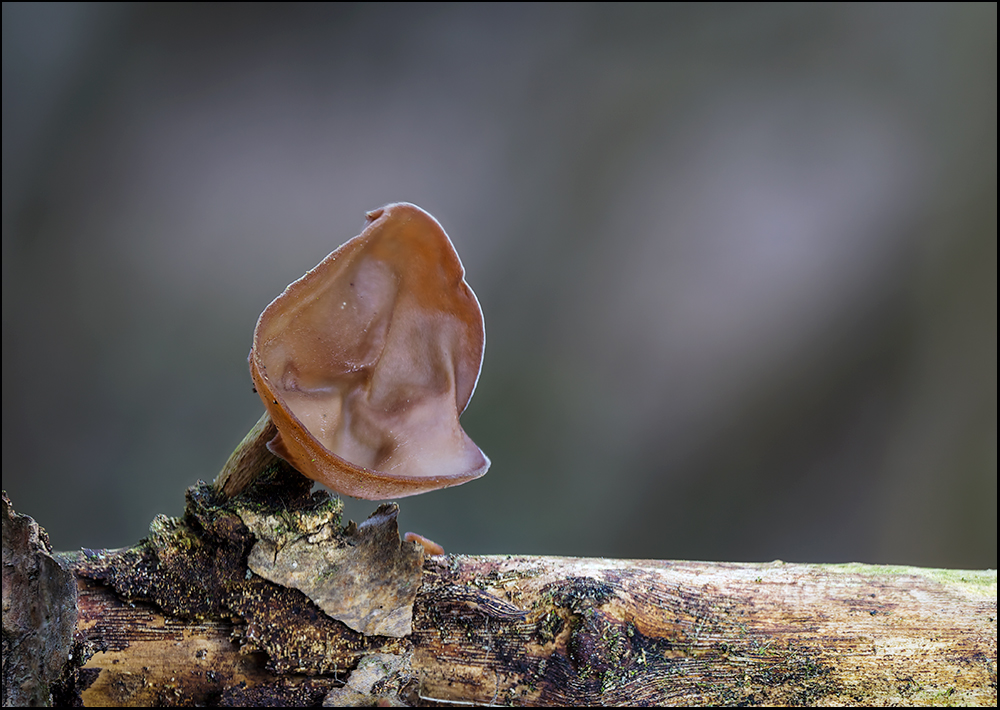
point(264, 599)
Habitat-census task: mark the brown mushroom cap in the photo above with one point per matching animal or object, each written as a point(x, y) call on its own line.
point(366, 362)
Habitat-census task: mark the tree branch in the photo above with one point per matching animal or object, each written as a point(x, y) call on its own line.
point(193, 615)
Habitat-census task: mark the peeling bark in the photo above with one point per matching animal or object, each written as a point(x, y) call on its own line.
point(181, 619)
point(39, 614)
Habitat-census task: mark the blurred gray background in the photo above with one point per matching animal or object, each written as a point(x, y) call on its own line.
point(738, 263)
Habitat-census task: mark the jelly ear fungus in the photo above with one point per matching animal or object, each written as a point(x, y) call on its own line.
point(366, 362)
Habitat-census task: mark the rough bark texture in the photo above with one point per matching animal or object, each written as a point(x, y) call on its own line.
point(39, 613)
point(180, 619)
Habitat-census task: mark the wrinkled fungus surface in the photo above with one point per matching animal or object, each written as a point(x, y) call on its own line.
point(367, 361)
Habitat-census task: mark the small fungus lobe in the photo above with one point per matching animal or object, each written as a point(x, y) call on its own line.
point(430, 547)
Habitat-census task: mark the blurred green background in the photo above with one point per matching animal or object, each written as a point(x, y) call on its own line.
point(738, 263)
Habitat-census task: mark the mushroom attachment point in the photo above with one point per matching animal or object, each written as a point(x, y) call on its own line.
point(365, 363)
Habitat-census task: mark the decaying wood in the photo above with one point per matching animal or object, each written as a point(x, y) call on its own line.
point(248, 460)
point(181, 619)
